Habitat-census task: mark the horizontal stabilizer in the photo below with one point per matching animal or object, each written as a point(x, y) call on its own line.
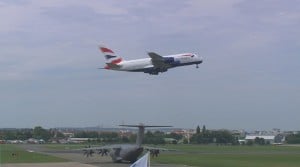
point(113, 65)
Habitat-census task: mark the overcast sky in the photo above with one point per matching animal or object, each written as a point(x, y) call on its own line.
point(250, 77)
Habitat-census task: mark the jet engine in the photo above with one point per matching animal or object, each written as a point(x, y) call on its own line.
point(88, 152)
point(102, 151)
point(153, 152)
point(115, 155)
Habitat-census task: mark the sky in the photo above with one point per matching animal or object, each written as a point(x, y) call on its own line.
point(249, 79)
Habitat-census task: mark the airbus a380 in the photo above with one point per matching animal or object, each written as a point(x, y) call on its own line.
point(154, 65)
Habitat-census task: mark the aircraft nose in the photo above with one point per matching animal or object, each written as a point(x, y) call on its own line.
point(200, 58)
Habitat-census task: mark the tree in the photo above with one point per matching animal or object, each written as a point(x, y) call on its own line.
point(40, 133)
point(149, 134)
point(259, 141)
point(125, 139)
point(203, 129)
point(250, 142)
point(60, 135)
point(154, 138)
point(202, 138)
point(198, 130)
point(174, 136)
point(222, 137)
point(9, 135)
point(293, 139)
point(27, 133)
point(185, 141)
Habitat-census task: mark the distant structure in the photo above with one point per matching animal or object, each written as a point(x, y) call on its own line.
point(187, 133)
point(273, 137)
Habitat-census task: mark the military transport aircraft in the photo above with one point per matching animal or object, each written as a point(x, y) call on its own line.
point(154, 65)
point(125, 152)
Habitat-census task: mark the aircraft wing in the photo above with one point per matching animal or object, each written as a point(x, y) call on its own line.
point(154, 151)
point(155, 56)
point(157, 148)
point(158, 61)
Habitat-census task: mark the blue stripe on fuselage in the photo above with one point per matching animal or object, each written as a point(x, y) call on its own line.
point(147, 70)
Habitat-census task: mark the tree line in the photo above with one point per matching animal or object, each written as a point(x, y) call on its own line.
point(213, 136)
point(203, 136)
point(293, 139)
point(23, 134)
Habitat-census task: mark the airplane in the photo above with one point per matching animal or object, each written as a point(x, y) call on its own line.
point(125, 152)
point(154, 65)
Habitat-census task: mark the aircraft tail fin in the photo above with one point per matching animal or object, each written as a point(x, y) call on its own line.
point(110, 56)
point(140, 134)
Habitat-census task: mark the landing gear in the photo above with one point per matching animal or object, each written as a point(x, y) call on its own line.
point(197, 65)
point(154, 73)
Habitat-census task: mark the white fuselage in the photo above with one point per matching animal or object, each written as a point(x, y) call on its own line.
point(130, 65)
point(140, 64)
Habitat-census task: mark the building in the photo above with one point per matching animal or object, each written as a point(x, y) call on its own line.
point(78, 140)
point(272, 139)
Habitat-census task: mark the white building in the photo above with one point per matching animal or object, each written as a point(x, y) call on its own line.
point(272, 139)
point(77, 140)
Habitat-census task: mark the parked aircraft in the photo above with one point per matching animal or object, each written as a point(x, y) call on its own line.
point(125, 152)
point(154, 65)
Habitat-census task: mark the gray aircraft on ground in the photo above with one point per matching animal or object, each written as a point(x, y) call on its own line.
point(126, 152)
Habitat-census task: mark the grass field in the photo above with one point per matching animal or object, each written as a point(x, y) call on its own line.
point(225, 156)
point(234, 149)
point(231, 160)
point(190, 155)
point(23, 156)
point(231, 156)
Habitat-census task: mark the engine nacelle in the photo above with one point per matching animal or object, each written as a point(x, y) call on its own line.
point(115, 154)
point(88, 152)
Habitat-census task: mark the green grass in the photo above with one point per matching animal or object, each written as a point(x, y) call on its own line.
point(231, 156)
point(24, 156)
point(191, 155)
point(228, 149)
point(225, 156)
point(231, 160)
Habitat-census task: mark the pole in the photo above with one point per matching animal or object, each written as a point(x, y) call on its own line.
point(148, 159)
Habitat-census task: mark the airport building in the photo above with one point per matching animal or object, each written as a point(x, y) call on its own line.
point(77, 140)
point(272, 139)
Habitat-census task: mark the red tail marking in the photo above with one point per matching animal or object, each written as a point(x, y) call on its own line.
point(116, 61)
point(106, 50)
